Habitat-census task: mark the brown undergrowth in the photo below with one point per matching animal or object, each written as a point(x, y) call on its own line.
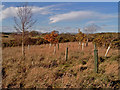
point(43, 69)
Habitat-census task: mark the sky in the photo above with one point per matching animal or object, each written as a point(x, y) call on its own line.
point(64, 16)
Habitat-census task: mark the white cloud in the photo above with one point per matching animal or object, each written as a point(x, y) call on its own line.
point(8, 12)
point(7, 29)
point(109, 26)
point(80, 15)
point(1, 6)
point(42, 10)
point(11, 11)
point(97, 21)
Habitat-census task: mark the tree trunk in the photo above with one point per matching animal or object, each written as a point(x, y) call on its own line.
point(23, 47)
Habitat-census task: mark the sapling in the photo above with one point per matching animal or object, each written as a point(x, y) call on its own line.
point(23, 22)
point(52, 38)
point(89, 29)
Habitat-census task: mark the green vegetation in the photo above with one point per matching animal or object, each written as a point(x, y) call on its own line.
point(35, 38)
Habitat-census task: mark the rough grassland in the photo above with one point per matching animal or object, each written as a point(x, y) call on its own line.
point(43, 69)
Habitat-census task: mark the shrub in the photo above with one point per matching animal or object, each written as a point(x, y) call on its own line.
point(41, 41)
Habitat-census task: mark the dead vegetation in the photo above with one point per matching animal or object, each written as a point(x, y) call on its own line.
point(43, 69)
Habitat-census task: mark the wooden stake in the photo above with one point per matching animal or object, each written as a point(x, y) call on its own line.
point(54, 50)
point(58, 46)
point(87, 43)
point(107, 50)
point(82, 45)
point(50, 45)
point(66, 54)
point(79, 45)
point(28, 46)
point(96, 58)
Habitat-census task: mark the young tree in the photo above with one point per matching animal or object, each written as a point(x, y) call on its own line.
point(23, 22)
point(52, 39)
point(90, 29)
point(81, 37)
point(104, 40)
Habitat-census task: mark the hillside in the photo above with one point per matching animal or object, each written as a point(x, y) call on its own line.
point(43, 69)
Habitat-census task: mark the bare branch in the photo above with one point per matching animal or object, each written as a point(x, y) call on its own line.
point(23, 22)
point(17, 27)
point(24, 19)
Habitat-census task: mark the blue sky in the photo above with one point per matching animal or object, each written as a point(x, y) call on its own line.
point(65, 16)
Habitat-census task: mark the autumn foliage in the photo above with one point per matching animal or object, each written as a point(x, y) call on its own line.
point(81, 37)
point(101, 39)
point(51, 37)
point(105, 40)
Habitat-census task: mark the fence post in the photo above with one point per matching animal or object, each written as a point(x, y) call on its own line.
point(58, 46)
point(96, 58)
point(50, 45)
point(87, 42)
point(28, 46)
point(82, 45)
point(54, 49)
point(66, 55)
point(107, 50)
point(79, 45)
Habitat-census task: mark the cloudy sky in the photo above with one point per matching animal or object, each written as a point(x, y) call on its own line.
point(65, 17)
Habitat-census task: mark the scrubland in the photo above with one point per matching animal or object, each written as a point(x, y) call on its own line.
point(43, 69)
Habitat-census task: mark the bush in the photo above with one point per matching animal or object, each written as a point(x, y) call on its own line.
point(41, 41)
point(66, 38)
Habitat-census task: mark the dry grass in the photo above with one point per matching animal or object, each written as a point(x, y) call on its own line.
point(43, 69)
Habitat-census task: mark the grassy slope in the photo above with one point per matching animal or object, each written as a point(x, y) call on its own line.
point(42, 69)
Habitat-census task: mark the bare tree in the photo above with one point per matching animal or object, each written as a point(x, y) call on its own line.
point(24, 21)
point(90, 29)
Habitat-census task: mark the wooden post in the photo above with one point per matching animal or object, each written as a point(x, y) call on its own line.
point(104, 45)
point(54, 49)
point(87, 42)
point(107, 50)
point(79, 45)
point(50, 45)
point(28, 46)
point(96, 58)
point(82, 45)
point(58, 46)
point(66, 54)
